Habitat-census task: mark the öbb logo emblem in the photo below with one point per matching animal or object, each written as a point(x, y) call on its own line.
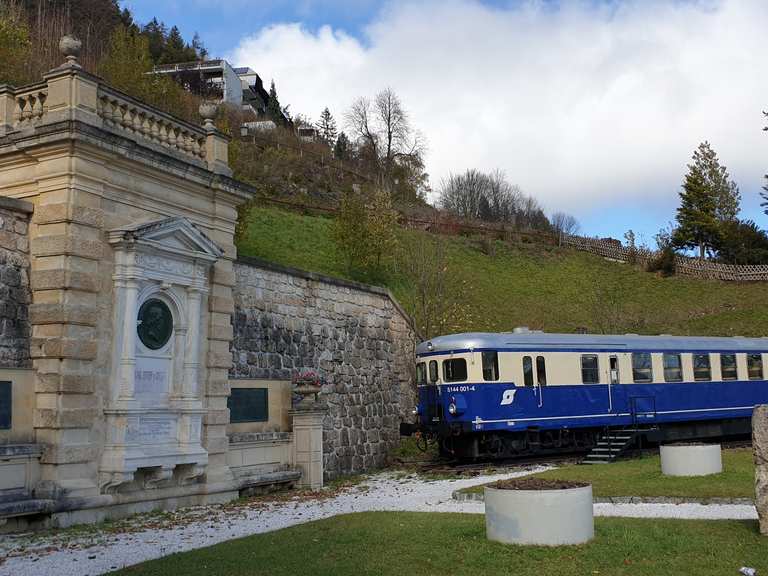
point(508, 397)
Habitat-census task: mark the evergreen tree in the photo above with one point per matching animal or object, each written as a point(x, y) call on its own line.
point(716, 177)
point(175, 49)
point(708, 201)
point(326, 127)
point(341, 148)
point(201, 52)
point(274, 111)
point(696, 216)
point(155, 32)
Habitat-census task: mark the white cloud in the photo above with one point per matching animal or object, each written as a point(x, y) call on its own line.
point(580, 105)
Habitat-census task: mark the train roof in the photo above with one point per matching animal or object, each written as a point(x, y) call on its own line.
point(543, 341)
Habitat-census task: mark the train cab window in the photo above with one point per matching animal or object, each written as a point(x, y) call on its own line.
point(527, 371)
point(590, 373)
point(490, 366)
point(433, 371)
point(702, 370)
point(673, 368)
point(755, 366)
point(642, 369)
point(455, 370)
point(728, 366)
point(421, 373)
point(541, 371)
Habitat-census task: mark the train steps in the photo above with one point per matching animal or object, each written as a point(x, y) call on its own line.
point(611, 444)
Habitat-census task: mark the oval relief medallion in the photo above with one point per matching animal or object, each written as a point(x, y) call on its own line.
point(155, 324)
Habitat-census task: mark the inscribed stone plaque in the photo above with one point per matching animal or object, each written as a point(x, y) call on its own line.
point(153, 430)
point(248, 405)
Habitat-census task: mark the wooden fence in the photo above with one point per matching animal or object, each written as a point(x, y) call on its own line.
point(684, 266)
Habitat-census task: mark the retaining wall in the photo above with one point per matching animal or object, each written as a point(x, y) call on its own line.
point(356, 336)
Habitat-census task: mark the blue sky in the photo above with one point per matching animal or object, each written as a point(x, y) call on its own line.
point(591, 107)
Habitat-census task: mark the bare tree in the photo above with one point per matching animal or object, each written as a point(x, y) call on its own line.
point(462, 194)
point(438, 306)
point(564, 224)
point(383, 132)
point(490, 197)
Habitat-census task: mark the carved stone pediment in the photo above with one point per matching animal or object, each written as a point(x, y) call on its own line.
point(175, 235)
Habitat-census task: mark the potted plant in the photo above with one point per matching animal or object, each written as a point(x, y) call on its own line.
point(307, 383)
point(539, 512)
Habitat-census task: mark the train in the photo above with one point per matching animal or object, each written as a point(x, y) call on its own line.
point(499, 395)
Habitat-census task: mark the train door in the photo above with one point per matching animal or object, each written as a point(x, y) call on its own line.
point(613, 378)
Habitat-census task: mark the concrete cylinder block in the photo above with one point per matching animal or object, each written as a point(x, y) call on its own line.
point(691, 460)
point(539, 517)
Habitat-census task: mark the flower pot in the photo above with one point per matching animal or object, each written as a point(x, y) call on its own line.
point(308, 393)
point(543, 517)
point(691, 459)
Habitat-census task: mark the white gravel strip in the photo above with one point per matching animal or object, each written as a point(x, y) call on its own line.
point(102, 552)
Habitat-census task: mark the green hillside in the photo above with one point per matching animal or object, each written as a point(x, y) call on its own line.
point(541, 287)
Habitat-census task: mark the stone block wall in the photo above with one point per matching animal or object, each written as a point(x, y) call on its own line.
point(357, 337)
point(14, 283)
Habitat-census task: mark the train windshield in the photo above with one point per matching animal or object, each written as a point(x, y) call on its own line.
point(421, 373)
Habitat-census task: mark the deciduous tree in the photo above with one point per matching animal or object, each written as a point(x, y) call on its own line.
point(565, 224)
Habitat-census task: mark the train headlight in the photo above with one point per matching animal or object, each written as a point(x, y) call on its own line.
point(452, 410)
point(416, 411)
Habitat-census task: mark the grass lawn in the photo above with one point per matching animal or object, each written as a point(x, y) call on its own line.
point(543, 287)
point(401, 543)
point(642, 477)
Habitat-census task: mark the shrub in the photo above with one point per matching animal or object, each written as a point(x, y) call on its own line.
point(664, 261)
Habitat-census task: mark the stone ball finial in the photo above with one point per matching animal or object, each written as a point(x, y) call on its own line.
point(207, 111)
point(70, 47)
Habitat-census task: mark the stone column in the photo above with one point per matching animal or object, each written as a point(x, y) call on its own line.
point(128, 353)
point(760, 447)
point(191, 386)
point(308, 446)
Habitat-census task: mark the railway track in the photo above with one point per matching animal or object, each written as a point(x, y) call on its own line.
point(459, 468)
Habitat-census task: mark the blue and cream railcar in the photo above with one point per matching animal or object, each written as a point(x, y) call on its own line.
point(525, 392)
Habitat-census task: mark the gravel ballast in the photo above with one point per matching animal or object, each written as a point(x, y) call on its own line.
point(99, 550)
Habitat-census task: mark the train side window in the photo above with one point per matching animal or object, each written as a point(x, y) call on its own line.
point(527, 371)
point(421, 373)
point(755, 366)
point(433, 371)
point(490, 366)
point(590, 373)
point(642, 369)
point(728, 366)
point(455, 370)
point(541, 371)
point(673, 368)
point(702, 370)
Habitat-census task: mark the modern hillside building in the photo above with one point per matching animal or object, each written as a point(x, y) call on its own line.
point(219, 80)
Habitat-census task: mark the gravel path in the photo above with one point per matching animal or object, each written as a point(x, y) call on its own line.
point(109, 547)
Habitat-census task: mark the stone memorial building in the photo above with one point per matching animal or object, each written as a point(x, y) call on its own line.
point(142, 365)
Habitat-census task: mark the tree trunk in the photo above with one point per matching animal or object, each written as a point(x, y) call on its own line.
point(701, 250)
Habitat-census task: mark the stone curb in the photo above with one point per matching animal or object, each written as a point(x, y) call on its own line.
point(460, 496)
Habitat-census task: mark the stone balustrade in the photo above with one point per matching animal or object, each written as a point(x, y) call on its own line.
point(70, 93)
point(29, 105)
point(136, 120)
